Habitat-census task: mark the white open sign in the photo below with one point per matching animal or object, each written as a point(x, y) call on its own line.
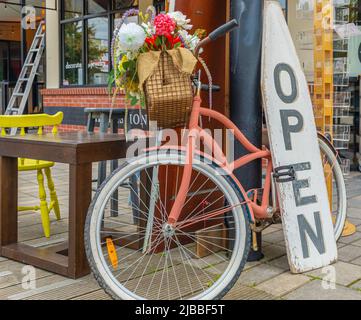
point(305, 208)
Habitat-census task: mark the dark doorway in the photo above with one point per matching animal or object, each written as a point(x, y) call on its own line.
point(10, 60)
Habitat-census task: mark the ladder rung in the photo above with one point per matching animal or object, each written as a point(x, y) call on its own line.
point(12, 112)
point(23, 79)
point(34, 50)
point(18, 94)
point(28, 64)
point(39, 36)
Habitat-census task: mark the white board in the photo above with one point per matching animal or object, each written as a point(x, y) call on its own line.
point(305, 209)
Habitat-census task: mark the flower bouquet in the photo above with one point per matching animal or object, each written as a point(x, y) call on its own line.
point(153, 61)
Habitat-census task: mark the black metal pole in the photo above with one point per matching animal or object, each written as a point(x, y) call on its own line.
point(23, 41)
point(23, 34)
point(245, 95)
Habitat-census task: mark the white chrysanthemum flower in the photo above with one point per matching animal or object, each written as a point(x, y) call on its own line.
point(131, 37)
point(181, 20)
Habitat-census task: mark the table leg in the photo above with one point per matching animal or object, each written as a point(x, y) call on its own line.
point(91, 123)
point(102, 169)
point(114, 128)
point(80, 197)
point(114, 166)
point(90, 128)
point(8, 201)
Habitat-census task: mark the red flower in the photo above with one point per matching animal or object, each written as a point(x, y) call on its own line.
point(150, 41)
point(164, 25)
point(170, 40)
point(177, 40)
point(173, 41)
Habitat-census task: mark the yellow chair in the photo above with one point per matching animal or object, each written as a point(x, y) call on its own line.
point(37, 121)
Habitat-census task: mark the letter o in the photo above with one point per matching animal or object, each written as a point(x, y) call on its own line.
point(277, 79)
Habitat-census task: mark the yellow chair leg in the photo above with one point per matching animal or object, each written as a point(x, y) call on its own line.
point(53, 195)
point(43, 205)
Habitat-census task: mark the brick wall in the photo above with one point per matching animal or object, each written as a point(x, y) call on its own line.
point(73, 101)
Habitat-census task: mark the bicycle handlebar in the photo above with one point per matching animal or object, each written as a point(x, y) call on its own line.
point(223, 30)
point(219, 32)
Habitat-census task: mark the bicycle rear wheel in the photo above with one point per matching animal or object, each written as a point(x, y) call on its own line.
point(135, 254)
point(335, 187)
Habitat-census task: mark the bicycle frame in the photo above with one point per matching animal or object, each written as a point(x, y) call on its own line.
point(195, 132)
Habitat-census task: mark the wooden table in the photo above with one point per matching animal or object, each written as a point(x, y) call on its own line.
point(79, 150)
point(102, 116)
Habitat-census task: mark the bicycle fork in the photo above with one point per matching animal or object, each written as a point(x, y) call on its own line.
point(186, 181)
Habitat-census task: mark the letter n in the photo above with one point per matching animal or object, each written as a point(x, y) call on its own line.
point(316, 238)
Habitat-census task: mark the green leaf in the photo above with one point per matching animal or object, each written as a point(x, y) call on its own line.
point(158, 41)
point(126, 65)
point(111, 81)
point(142, 101)
point(132, 65)
point(133, 101)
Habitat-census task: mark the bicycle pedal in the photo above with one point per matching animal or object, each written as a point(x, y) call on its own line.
point(284, 174)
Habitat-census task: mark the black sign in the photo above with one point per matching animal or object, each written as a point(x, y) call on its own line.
point(136, 119)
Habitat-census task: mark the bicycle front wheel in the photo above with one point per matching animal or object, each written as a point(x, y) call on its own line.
point(135, 254)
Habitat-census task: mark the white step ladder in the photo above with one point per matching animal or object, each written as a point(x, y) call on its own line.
point(17, 103)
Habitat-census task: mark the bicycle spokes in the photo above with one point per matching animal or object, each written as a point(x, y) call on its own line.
point(156, 260)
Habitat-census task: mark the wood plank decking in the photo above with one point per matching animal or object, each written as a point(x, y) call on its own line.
point(48, 285)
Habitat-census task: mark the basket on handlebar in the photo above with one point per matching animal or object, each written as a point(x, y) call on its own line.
point(168, 87)
point(153, 61)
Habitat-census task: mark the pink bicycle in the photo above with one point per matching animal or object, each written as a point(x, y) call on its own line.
point(183, 224)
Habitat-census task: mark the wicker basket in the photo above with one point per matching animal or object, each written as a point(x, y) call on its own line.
point(168, 94)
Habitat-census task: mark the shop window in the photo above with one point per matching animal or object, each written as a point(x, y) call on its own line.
point(98, 54)
point(86, 30)
point(72, 9)
point(97, 6)
point(123, 4)
point(73, 53)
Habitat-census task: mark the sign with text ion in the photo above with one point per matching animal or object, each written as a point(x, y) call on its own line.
point(304, 203)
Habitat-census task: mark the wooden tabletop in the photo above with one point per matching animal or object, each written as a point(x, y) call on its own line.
point(70, 147)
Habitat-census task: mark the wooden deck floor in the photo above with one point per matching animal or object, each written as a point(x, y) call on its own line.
point(13, 280)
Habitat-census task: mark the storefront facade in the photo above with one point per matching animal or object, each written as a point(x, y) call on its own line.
point(327, 36)
point(77, 61)
point(14, 42)
point(78, 45)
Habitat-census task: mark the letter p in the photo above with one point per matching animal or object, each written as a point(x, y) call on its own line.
point(289, 128)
